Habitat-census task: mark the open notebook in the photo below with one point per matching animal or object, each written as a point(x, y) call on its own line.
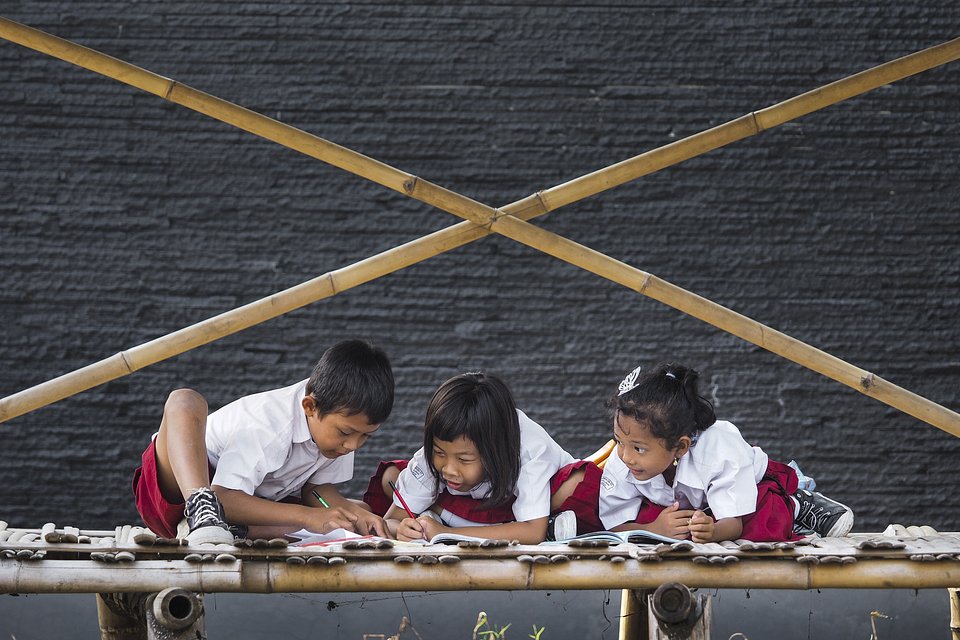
point(306, 538)
point(636, 536)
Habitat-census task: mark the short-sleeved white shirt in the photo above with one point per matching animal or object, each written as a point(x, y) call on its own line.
point(540, 458)
point(721, 471)
point(260, 444)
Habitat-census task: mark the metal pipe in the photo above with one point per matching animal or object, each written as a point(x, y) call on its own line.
point(176, 608)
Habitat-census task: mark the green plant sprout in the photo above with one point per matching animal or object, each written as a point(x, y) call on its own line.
point(488, 633)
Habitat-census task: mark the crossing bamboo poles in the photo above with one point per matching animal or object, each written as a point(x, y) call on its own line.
point(554, 198)
point(509, 221)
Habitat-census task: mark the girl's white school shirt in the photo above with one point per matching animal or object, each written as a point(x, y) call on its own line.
point(260, 444)
point(540, 458)
point(721, 470)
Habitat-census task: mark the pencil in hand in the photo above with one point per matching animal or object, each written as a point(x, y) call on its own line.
point(405, 507)
point(317, 495)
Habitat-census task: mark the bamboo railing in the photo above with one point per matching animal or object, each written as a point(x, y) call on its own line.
point(88, 576)
point(509, 221)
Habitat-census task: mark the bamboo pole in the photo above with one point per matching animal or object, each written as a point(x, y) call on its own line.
point(729, 321)
point(634, 614)
point(87, 576)
point(118, 626)
point(232, 114)
point(230, 322)
point(954, 595)
point(752, 124)
point(554, 198)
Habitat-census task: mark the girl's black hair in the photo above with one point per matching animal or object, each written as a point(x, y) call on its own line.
point(480, 408)
point(667, 401)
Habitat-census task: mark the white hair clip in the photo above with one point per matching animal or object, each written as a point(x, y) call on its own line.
point(670, 374)
point(629, 382)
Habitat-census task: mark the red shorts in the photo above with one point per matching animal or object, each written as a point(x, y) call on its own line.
point(773, 519)
point(583, 500)
point(161, 516)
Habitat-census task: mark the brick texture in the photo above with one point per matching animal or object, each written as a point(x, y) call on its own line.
point(123, 218)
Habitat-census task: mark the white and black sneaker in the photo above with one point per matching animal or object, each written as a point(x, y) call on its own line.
point(562, 526)
point(821, 515)
point(205, 519)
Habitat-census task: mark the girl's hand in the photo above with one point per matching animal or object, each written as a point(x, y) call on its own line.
point(701, 527)
point(410, 529)
point(430, 526)
point(673, 522)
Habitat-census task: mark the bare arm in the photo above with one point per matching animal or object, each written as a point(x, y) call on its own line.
point(392, 519)
point(365, 522)
point(704, 529)
point(529, 532)
point(695, 525)
point(242, 508)
point(672, 522)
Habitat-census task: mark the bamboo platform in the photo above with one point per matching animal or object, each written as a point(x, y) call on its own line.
point(133, 559)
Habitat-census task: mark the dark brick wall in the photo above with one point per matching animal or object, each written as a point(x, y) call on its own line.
point(123, 217)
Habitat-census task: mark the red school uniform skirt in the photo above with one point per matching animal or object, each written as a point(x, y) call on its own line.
point(773, 519)
point(583, 501)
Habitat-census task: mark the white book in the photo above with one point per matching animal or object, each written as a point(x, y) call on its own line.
point(634, 536)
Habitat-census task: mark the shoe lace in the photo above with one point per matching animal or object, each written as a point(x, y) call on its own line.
point(203, 507)
point(815, 516)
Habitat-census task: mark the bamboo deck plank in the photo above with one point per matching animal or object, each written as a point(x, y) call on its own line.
point(898, 558)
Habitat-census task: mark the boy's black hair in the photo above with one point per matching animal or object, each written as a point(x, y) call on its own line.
point(353, 376)
point(480, 408)
point(668, 402)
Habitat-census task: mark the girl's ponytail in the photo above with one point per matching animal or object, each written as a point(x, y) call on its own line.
point(667, 400)
point(703, 414)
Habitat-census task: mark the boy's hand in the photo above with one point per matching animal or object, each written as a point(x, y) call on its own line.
point(410, 529)
point(370, 524)
point(701, 527)
point(326, 520)
point(673, 522)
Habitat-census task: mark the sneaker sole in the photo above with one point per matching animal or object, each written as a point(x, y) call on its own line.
point(209, 535)
point(565, 525)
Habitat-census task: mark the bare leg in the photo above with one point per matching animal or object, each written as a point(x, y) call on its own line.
point(565, 490)
point(181, 449)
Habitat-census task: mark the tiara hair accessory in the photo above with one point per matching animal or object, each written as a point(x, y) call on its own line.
point(670, 374)
point(628, 383)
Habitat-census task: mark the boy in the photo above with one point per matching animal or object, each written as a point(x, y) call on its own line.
point(236, 464)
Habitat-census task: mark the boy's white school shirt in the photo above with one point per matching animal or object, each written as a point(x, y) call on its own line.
point(540, 458)
point(260, 444)
point(721, 470)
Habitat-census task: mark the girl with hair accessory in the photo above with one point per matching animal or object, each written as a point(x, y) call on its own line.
point(485, 470)
point(682, 473)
